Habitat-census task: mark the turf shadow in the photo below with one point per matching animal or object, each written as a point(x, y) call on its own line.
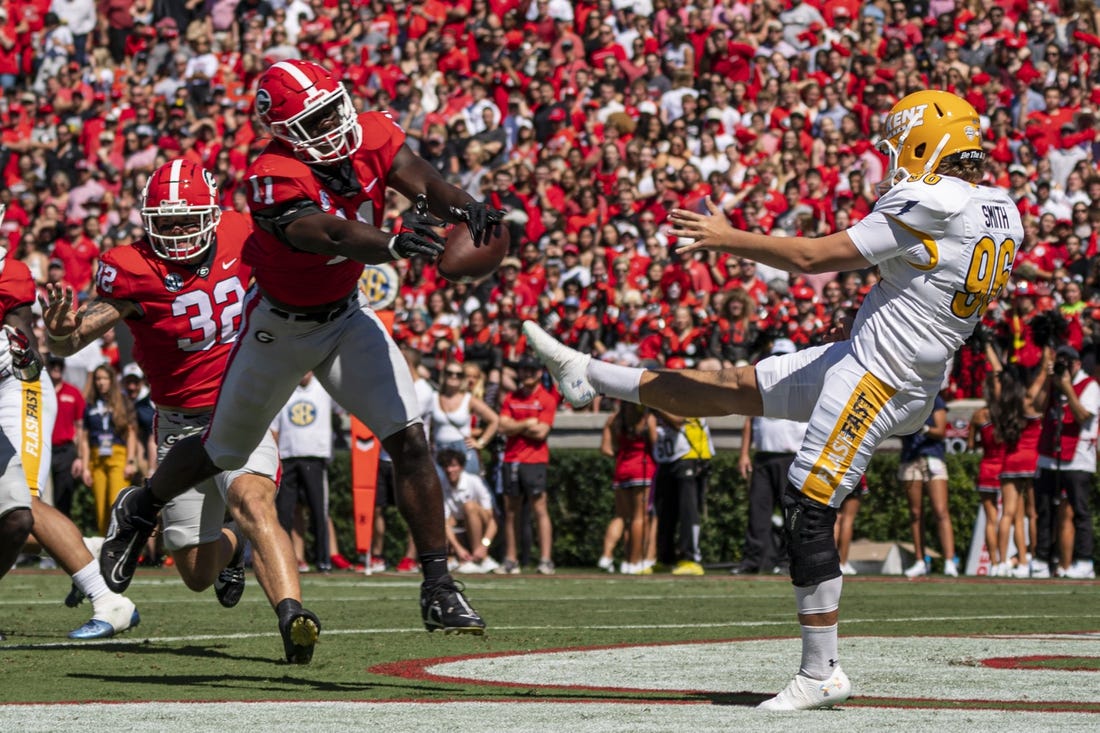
point(261, 683)
point(191, 650)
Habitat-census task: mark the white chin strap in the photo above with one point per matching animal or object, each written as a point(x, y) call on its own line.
point(934, 158)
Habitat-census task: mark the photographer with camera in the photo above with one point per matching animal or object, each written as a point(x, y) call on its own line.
point(1067, 462)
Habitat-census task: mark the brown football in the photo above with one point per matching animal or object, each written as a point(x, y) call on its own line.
point(462, 261)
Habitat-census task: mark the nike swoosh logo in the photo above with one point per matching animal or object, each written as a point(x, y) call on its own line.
point(227, 265)
point(115, 577)
point(370, 185)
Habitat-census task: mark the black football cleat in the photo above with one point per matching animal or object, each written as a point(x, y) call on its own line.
point(126, 537)
point(229, 586)
point(442, 606)
point(300, 630)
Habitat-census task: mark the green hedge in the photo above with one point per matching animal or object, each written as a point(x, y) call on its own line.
point(581, 504)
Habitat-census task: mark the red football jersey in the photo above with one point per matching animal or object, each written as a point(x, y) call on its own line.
point(190, 316)
point(277, 178)
point(16, 287)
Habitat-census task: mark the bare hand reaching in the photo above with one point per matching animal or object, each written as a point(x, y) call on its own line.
point(60, 316)
point(706, 231)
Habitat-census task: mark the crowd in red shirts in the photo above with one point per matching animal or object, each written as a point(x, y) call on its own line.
point(588, 122)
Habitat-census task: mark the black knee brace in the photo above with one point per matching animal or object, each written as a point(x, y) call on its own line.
point(811, 548)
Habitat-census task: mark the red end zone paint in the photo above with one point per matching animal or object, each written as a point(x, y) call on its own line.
point(1045, 662)
point(420, 670)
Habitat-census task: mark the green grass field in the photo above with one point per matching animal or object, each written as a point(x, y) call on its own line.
point(374, 649)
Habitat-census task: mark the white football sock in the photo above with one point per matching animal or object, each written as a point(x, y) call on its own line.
point(89, 580)
point(615, 380)
point(819, 651)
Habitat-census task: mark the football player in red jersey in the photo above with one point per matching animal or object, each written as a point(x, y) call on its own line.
point(28, 409)
point(317, 193)
point(181, 290)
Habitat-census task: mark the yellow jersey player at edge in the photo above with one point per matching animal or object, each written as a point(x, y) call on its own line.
point(945, 247)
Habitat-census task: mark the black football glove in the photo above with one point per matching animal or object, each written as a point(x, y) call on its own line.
point(419, 234)
point(479, 218)
point(25, 363)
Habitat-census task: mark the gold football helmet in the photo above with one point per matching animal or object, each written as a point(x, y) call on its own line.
point(925, 127)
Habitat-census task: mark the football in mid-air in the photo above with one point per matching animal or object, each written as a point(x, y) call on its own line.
point(463, 261)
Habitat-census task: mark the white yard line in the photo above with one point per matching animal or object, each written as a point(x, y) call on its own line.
point(135, 637)
point(529, 717)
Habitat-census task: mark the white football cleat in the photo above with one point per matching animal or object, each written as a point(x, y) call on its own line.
point(568, 367)
point(847, 569)
point(804, 693)
point(951, 568)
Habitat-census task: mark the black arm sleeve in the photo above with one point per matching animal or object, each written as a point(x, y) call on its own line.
point(276, 219)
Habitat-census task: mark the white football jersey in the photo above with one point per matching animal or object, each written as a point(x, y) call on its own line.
point(945, 249)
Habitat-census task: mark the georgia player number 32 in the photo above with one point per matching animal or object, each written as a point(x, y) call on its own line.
point(213, 317)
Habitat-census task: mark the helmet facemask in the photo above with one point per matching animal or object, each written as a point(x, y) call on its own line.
point(895, 174)
point(326, 131)
point(180, 232)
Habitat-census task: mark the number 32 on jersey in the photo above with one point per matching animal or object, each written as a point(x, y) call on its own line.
point(988, 272)
point(206, 315)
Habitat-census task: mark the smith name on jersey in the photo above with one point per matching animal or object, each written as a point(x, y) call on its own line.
point(945, 248)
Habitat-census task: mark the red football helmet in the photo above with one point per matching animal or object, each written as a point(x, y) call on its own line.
point(179, 207)
point(307, 108)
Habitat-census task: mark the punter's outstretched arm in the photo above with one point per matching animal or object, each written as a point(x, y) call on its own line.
point(793, 254)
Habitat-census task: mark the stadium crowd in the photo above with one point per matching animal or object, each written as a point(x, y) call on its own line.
point(587, 122)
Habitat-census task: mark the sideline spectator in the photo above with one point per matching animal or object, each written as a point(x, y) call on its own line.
point(303, 429)
point(526, 418)
point(66, 465)
point(1016, 417)
point(683, 451)
point(453, 411)
point(923, 467)
point(469, 508)
point(774, 443)
point(110, 448)
point(628, 437)
point(845, 525)
point(137, 389)
point(1067, 465)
